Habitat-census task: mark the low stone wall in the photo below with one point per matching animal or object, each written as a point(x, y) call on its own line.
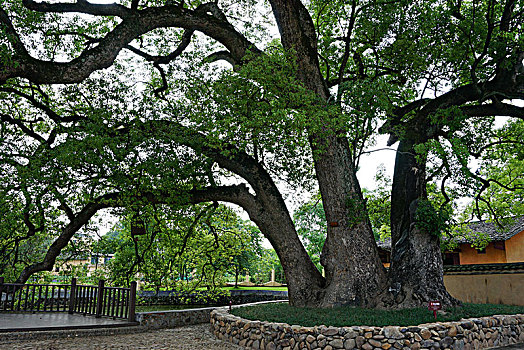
point(243, 296)
point(178, 318)
point(470, 334)
point(173, 318)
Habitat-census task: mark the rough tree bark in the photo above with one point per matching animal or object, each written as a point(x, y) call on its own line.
point(416, 273)
point(354, 273)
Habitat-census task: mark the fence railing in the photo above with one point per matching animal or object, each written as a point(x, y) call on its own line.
point(115, 302)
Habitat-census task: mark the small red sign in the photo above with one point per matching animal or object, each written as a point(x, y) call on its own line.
point(434, 306)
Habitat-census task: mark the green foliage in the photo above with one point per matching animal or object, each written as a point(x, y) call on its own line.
point(310, 221)
point(374, 56)
point(17, 248)
point(261, 265)
point(480, 160)
point(187, 298)
point(503, 167)
point(268, 118)
point(493, 183)
point(349, 316)
point(283, 289)
point(149, 308)
point(462, 233)
point(430, 220)
point(184, 248)
point(378, 204)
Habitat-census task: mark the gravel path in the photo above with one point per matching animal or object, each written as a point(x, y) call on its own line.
point(197, 337)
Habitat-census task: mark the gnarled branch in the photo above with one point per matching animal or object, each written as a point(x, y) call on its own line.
point(133, 25)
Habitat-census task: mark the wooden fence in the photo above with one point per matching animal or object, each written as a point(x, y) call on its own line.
point(115, 302)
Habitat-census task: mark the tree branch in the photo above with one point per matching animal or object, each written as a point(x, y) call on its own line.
point(298, 35)
point(237, 194)
point(186, 40)
point(164, 80)
point(133, 25)
point(222, 56)
point(483, 148)
point(80, 6)
point(8, 119)
point(345, 56)
point(236, 161)
point(494, 109)
point(68, 232)
point(506, 15)
point(43, 107)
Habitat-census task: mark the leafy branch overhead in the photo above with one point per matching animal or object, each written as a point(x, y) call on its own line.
point(128, 105)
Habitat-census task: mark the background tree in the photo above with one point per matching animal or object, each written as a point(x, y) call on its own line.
point(182, 249)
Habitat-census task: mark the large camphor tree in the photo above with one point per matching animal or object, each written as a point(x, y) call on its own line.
point(107, 132)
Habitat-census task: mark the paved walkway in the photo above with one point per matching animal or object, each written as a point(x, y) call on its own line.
point(50, 321)
point(196, 337)
point(511, 347)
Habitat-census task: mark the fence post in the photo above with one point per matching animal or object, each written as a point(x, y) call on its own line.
point(72, 296)
point(100, 298)
point(132, 302)
point(1, 287)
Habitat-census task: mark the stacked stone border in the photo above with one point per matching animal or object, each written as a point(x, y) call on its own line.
point(173, 318)
point(466, 334)
point(185, 317)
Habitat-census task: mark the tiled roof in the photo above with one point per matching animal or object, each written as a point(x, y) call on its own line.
point(485, 268)
point(494, 231)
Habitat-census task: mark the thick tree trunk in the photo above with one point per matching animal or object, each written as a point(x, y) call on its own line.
point(354, 272)
point(416, 274)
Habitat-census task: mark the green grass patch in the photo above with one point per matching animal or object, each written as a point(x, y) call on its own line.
point(349, 316)
point(148, 308)
point(255, 288)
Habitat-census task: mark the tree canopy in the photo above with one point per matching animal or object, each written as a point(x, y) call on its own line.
point(127, 105)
